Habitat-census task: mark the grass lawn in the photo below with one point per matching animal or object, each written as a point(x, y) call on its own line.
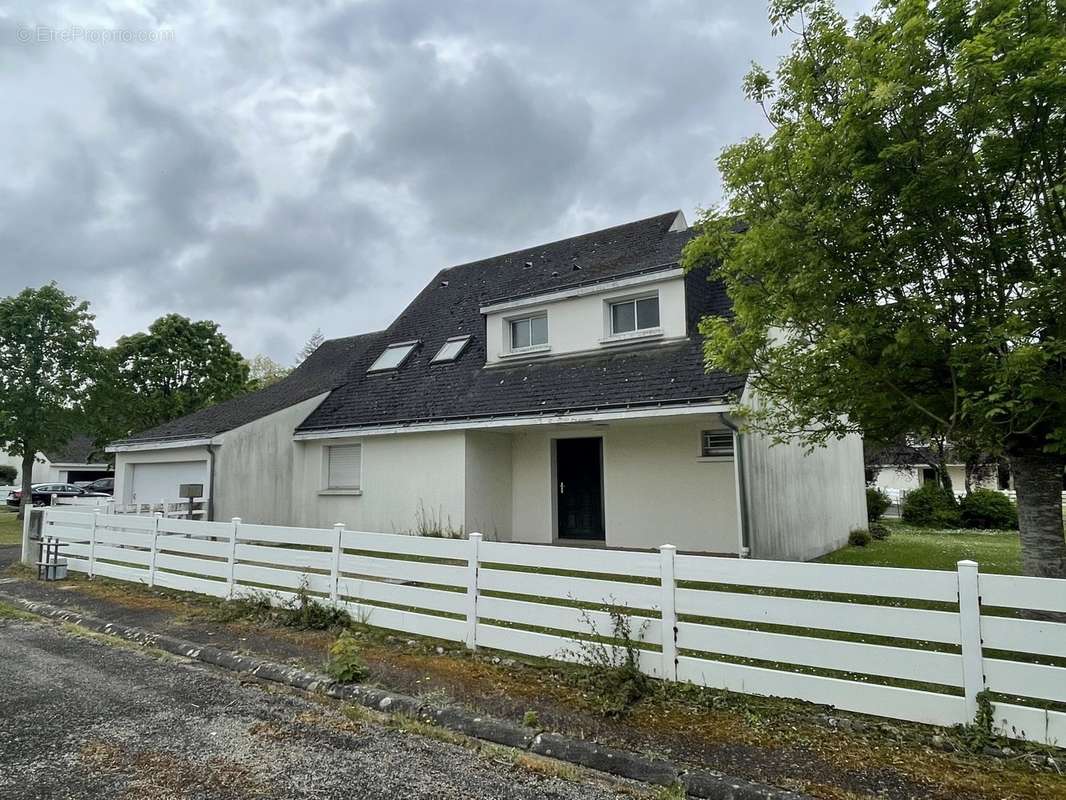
point(922, 548)
point(10, 528)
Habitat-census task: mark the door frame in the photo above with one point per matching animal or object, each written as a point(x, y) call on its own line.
point(553, 489)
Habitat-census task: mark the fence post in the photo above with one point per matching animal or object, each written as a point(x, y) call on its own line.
point(669, 611)
point(973, 673)
point(473, 559)
point(335, 572)
point(92, 542)
point(155, 549)
point(232, 559)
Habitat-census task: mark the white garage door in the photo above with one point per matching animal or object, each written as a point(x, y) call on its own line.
point(155, 482)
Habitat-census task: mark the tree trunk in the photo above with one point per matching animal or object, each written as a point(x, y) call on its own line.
point(1038, 481)
point(28, 459)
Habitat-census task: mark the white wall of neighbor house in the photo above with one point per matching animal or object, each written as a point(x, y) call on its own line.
point(488, 484)
point(903, 479)
point(404, 477)
point(657, 489)
point(579, 324)
point(41, 467)
point(254, 467)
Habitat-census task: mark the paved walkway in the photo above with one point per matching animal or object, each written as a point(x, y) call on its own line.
point(82, 718)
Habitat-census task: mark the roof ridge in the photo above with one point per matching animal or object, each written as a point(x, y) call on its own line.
point(672, 214)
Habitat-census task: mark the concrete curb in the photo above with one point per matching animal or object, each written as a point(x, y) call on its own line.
point(697, 783)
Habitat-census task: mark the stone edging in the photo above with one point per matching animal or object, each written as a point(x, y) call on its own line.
point(697, 783)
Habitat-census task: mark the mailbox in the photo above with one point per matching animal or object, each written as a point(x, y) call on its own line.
point(190, 491)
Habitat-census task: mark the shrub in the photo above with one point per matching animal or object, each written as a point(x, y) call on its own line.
point(859, 537)
point(531, 719)
point(879, 531)
point(345, 662)
point(877, 503)
point(8, 474)
point(613, 675)
point(985, 508)
point(931, 506)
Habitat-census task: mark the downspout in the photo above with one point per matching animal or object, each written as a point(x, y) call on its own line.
point(741, 484)
point(211, 483)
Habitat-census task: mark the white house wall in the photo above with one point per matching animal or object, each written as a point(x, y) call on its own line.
point(579, 323)
point(656, 488)
point(489, 484)
point(802, 505)
point(254, 467)
point(403, 476)
point(39, 474)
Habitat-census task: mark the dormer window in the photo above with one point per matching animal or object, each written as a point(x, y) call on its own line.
point(529, 332)
point(630, 316)
point(393, 356)
point(451, 349)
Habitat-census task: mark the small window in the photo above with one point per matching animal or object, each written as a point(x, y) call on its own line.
point(451, 349)
point(529, 332)
point(393, 356)
point(344, 464)
point(716, 444)
point(635, 315)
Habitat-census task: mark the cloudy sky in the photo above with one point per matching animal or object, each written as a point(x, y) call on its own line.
point(280, 167)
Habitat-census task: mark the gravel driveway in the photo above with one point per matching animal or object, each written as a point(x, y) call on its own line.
point(81, 718)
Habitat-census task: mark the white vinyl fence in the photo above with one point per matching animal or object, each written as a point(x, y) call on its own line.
point(915, 645)
point(168, 508)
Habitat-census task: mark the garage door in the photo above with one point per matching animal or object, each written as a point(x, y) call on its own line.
point(155, 482)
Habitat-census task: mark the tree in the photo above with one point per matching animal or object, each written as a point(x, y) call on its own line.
point(310, 346)
point(48, 356)
point(175, 368)
point(900, 267)
point(263, 371)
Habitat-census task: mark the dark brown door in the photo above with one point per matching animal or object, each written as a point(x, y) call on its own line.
point(579, 488)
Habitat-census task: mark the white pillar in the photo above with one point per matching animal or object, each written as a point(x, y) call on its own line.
point(973, 673)
point(232, 561)
point(92, 542)
point(669, 611)
point(155, 548)
point(335, 573)
point(473, 559)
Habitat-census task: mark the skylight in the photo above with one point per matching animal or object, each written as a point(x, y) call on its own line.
point(392, 356)
point(451, 349)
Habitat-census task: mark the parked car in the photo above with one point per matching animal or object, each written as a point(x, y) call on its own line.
point(102, 486)
point(41, 493)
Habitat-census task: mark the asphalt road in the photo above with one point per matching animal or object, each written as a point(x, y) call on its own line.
point(82, 718)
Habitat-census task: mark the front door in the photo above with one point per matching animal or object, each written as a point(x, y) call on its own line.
point(579, 488)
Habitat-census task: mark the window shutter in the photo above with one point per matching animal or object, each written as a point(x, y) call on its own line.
point(345, 465)
point(716, 443)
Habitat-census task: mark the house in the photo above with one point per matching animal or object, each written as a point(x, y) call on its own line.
point(556, 394)
point(76, 460)
point(899, 469)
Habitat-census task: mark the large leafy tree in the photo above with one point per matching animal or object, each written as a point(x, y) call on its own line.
point(48, 356)
point(174, 368)
point(896, 247)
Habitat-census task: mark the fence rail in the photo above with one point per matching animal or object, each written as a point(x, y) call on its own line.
point(917, 645)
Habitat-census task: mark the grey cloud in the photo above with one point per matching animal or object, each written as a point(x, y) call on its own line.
point(284, 167)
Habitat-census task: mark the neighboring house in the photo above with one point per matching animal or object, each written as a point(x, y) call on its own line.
point(77, 460)
point(903, 469)
point(552, 395)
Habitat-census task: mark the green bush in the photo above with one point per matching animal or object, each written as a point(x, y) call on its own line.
point(345, 661)
point(879, 530)
point(931, 506)
point(877, 503)
point(985, 508)
point(8, 474)
point(859, 537)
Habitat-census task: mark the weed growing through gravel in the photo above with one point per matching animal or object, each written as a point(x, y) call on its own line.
point(304, 611)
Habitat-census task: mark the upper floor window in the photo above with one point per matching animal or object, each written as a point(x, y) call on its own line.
point(529, 331)
point(451, 349)
point(393, 356)
point(638, 314)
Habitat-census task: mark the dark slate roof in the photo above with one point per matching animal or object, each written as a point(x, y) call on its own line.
point(78, 450)
point(328, 367)
point(450, 306)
